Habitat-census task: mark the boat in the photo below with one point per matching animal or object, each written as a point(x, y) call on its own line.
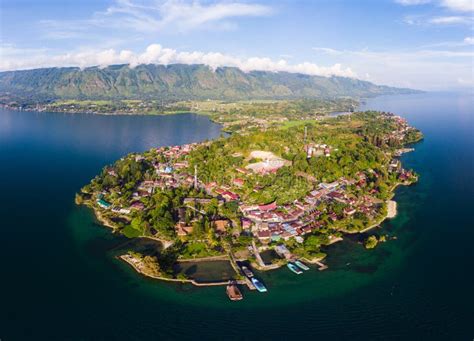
point(301, 265)
point(233, 292)
point(247, 272)
point(294, 268)
point(259, 285)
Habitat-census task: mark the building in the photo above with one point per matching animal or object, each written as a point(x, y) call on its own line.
point(104, 204)
point(221, 226)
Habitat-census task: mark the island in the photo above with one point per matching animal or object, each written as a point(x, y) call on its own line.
point(287, 188)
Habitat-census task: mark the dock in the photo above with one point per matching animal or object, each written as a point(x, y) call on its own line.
point(321, 265)
point(238, 271)
point(257, 255)
point(137, 267)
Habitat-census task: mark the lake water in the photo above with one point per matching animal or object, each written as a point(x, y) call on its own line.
point(60, 279)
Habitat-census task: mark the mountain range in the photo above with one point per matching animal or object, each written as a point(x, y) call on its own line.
point(179, 82)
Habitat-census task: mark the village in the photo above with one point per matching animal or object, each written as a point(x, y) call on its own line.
point(268, 222)
point(168, 195)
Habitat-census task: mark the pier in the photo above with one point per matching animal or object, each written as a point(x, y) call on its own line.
point(238, 271)
point(321, 265)
point(257, 255)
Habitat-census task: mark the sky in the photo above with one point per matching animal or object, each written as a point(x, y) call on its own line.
point(421, 44)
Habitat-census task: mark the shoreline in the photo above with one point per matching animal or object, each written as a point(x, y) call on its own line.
point(107, 223)
point(102, 217)
point(391, 213)
point(392, 209)
point(129, 260)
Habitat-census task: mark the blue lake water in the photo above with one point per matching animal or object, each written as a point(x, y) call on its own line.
point(60, 279)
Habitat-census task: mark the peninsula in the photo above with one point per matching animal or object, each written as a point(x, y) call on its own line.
point(292, 188)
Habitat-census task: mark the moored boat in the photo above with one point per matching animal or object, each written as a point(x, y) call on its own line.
point(301, 265)
point(233, 292)
point(247, 272)
point(294, 268)
point(259, 285)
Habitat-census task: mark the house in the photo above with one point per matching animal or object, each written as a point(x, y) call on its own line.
point(275, 237)
point(230, 196)
point(283, 252)
point(202, 201)
point(121, 210)
point(349, 211)
point(242, 171)
point(337, 196)
point(238, 182)
point(246, 223)
point(210, 186)
point(329, 186)
point(299, 239)
point(221, 226)
point(180, 165)
point(104, 204)
point(182, 229)
point(264, 235)
point(219, 191)
point(267, 207)
point(137, 205)
point(248, 208)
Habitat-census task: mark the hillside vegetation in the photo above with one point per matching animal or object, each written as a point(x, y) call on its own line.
point(177, 82)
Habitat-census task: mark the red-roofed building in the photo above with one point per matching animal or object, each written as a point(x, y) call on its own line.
point(238, 182)
point(229, 196)
point(263, 235)
point(268, 207)
point(246, 223)
point(242, 171)
point(137, 205)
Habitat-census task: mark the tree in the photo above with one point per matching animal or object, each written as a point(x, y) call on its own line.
point(371, 242)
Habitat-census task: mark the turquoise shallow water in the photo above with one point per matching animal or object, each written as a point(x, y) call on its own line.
point(60, 278)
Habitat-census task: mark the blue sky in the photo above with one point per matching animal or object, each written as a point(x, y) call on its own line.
point(425, 44)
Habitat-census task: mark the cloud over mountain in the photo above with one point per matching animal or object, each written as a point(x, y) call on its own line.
point(157, 54)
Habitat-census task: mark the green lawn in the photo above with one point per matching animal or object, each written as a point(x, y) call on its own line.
point(291, 124)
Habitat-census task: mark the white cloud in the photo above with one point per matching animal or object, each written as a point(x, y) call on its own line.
point(457, 44)
point(453, 5)
point(327, 50)
point(423, 20)
point(156, 54)
point(459, 5)
point(451, 20)
point(432, 69)
point(469, 40)
point(412, 2)
point(466, 82)
point(157, 16)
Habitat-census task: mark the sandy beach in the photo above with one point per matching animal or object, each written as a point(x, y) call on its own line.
point(391, 209)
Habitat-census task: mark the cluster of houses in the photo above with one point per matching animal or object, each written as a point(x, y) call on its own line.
point(272, 222)
point(317, 149)
point(401, 130)
point(170, 174)
point(268, 222)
